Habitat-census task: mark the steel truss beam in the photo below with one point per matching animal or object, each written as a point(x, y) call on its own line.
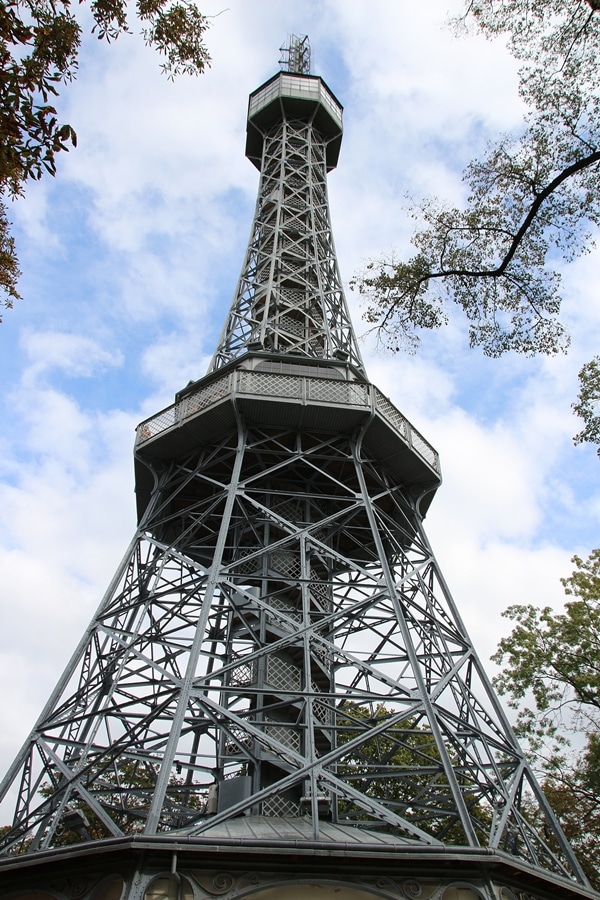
point(284, 632)
point(279, 640)
point(289, 298)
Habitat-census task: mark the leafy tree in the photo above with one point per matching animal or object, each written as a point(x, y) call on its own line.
point(554, 659)
point(531, 199)
point(588, 403)
point(39, 47)
point(574, 793)
point(551, 663)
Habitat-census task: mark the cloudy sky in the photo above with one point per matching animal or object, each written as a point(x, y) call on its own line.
point(130, 258)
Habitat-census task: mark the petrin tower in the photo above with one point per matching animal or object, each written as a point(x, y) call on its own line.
point(277, 697)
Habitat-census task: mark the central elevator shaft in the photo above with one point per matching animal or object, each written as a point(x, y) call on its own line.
point(280, 682)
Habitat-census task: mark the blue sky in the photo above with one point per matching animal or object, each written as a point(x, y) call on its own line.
point(130, 259)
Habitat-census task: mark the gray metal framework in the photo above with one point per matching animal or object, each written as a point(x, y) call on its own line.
point(296, 55)
point(289, 298)
point(279, 641)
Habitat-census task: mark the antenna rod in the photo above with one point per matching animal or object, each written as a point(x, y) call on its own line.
point(296, 55)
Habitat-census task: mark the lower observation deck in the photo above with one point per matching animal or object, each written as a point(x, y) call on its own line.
point(304, 402)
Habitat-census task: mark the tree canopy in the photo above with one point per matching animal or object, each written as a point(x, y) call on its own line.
point(533, 199)
point(39, 49)
point(551, 672)
point(587, 406)
point(555, 657)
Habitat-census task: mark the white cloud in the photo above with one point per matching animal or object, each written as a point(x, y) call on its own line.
point(72, 354)
point(487, 578)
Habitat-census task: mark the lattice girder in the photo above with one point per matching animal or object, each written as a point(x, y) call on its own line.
point(278, 644)
point(361, 692)
point(289, 298)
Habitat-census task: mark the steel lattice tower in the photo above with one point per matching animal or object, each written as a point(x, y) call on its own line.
point(277, 669)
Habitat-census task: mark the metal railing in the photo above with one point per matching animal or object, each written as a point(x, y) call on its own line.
point(289, 387)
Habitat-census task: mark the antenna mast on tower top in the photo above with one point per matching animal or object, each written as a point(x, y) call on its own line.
point(295, 57)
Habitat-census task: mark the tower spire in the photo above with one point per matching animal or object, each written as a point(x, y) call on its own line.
point(289, 300)
point(277, 674)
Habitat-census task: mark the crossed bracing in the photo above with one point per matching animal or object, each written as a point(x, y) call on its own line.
point(390, 716)
point(289, 298)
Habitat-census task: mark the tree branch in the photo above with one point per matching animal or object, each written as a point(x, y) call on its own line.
point(584, 163)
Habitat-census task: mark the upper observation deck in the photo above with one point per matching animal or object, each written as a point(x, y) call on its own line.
point(293, 96)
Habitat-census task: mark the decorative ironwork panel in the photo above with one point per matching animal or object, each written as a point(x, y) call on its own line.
point(279, 807)
point(157, 424)
point(269, 383)
point(200, 399)
point(283, 675)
